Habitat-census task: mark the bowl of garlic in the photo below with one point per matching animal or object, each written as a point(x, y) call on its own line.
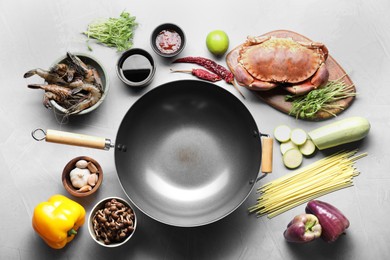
point(82, 176)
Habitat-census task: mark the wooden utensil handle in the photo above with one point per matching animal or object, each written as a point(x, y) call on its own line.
point(266, 155)
point(61, 137)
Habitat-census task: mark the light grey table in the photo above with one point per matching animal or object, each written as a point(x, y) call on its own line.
point(35, 33)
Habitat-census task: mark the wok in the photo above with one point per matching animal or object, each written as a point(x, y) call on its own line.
point(187, 152)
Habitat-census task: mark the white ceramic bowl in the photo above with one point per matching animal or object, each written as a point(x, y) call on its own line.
point(100, 205)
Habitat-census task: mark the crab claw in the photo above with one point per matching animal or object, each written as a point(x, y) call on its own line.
point(244, 79)
point(318, 79)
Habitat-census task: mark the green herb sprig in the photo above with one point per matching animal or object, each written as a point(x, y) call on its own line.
point(113, 32)
point(321, 99)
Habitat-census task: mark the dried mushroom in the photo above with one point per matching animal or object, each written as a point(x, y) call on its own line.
point(113, 223)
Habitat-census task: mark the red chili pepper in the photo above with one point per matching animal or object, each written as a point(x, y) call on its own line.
point(202, 74)
point(212, 66)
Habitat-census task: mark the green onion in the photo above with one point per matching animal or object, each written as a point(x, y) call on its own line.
point(321, 99)
point(113, 32)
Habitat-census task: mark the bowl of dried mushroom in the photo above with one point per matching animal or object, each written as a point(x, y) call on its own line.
point(112, 222)
point(82, 176)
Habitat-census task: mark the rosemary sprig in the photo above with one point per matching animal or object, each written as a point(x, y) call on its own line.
point(321, 99)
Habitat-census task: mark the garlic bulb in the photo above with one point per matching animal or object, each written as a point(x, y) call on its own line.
point(79, 177)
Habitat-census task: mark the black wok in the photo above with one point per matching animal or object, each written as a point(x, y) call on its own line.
point(187, 152)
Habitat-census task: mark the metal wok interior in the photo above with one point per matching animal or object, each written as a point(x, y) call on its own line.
point(187, 153)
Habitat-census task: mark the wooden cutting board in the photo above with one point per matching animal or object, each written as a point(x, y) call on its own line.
point(276, 97)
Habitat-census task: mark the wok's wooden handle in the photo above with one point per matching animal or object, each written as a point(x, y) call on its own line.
point(61, 137)
point(266, 155)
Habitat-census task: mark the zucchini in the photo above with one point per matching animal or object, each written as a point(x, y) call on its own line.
point(308, 148)
point(284, 147)
point(292, 158)
point(340, 132)
point(298, 136)
point(282, 133)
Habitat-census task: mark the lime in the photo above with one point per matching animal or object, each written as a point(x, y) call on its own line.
point(217, 42)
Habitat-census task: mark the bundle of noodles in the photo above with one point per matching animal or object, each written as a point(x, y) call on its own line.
point(329, 174)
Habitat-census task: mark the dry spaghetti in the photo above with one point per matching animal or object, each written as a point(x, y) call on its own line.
point(329, 174)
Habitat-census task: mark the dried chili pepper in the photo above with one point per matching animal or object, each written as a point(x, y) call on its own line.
point(202, 74)
point(212, 66)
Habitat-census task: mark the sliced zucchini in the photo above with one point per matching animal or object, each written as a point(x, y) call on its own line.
point(282, 133)
point(284, 147)
point(308, 148)
point(298, 136)
point(292, 158)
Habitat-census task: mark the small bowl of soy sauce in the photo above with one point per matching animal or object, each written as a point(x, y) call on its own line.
point(136, 67)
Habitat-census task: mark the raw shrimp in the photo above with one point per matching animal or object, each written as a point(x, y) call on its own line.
point(50, 77)
point(60, 69)
point(68, 102)
point(58, 93)
point(64, 71)
point(94, 94)
point(73, 99)
point(76, 83)
point(89, 73)
point(80, 66)
point(97, 80)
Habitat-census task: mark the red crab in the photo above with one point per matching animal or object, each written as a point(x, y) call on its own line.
point(266, 62)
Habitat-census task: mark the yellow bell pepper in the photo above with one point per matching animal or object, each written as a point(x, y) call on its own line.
point(57, 220)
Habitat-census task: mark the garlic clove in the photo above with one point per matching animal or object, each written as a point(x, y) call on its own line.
point(92, 179)
point(85, 188)
point(92, 167)
point(81, 164)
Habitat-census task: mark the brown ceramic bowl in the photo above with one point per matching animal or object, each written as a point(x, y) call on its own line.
point(66, 177)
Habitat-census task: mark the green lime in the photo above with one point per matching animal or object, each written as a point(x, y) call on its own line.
point(217, 42)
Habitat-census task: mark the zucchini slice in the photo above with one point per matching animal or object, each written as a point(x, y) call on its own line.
point(282, 133)
point(308, 148)
point(298, 136)
point(292, 158)
point(284, 147)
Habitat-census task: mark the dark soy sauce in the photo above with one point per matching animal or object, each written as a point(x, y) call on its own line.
point(136, 68)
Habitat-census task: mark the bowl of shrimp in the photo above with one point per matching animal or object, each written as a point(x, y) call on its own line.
point(76, 84)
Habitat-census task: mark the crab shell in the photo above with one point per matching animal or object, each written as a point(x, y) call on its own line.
point(267, 62)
